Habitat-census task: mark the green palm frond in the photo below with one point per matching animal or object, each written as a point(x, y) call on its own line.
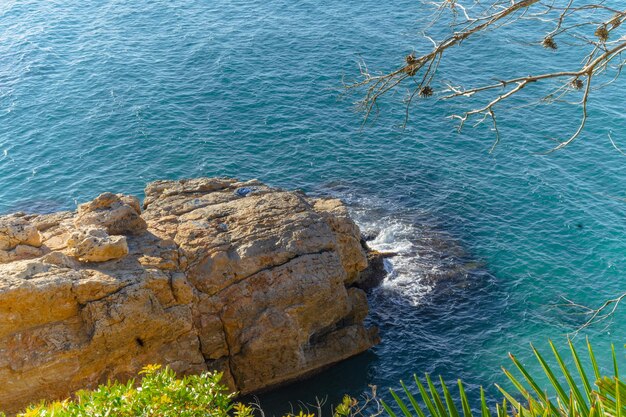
point(572, 391)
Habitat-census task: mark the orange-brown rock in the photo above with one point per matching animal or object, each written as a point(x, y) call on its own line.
point(18, 239)
point(250, 280)
point(93, 244)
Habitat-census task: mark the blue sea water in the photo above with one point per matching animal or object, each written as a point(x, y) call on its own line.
point(108, 95)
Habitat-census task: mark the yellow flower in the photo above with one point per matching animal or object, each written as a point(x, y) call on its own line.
point(150, 369)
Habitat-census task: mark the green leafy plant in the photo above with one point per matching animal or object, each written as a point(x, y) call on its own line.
point(579, 392)
point(346, 407)
point(160, 393)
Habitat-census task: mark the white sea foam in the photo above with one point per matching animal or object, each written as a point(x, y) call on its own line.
point(398, 234)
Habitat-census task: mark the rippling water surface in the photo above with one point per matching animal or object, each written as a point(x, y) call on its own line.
point(99, 96)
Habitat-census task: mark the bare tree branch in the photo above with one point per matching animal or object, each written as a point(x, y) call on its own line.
point(584, 23)
point(596, 315)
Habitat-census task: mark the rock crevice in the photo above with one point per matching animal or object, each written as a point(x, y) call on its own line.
point(257, 282)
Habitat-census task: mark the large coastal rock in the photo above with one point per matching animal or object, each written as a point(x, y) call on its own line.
point(256, 282)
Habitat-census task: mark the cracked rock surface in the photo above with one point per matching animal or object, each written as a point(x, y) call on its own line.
point(256, 282)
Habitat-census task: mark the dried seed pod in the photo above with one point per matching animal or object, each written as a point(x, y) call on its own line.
point(577, 84)
point(602, 33)
point(410, 59)
point(549, 43)
point(426, 91)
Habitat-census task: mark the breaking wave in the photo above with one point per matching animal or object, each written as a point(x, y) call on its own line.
point(424, 254)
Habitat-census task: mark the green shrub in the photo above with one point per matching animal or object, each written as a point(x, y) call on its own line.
point(160, 394)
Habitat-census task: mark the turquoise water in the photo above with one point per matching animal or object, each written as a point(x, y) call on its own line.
point(106, 96)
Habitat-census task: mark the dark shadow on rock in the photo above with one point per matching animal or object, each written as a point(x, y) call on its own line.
point(348, 377)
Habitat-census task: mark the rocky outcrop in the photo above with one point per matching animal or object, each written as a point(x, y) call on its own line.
point(95, 245)
point(256, 282)
point(376, 271)
point(18, 239)
point(117, 214)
